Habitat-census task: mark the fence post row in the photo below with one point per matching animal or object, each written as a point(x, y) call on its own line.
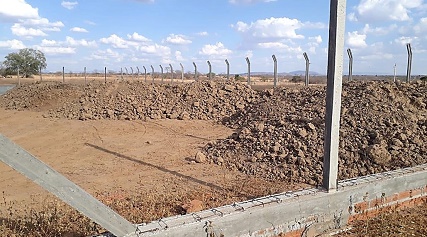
point(152, 72)
point(409, 68)
point(275, 70)
point(307, 69)
point(249, 70)
point(182, 72)
point(195, 71)
point(228, 69)
point(350, 64)
point(210, 70)
point(333, 93)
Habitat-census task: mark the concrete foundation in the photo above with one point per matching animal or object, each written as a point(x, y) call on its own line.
point(302, 213)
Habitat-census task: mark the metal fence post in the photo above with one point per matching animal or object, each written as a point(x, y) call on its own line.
point(182, 72)
point(228, 69)
point(121, 72)
point(127, 72)
point(161, 72)
point(195, 71)
point(307, 69)
point(137, 72)
point(170, 65)
point(63, 74)
point(409, 68)
point(333, 93)
point(249, 70)
point(350, 64)
point(152, 73)
point(210, 70)
point(275, 70)
point(145, 74)
point(84, 72)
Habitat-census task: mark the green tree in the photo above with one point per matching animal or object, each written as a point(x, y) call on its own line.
point(28, 61)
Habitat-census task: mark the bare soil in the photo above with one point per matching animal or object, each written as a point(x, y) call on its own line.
point(152, 150)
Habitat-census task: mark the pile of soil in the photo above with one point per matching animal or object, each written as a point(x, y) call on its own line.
point(278, 132)
point(383, 127)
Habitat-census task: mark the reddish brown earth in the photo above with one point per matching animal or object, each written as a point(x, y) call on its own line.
point(151, 151)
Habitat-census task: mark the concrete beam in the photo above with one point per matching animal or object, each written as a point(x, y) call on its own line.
point(43, 175)
point(310, 212)
point(333, 93)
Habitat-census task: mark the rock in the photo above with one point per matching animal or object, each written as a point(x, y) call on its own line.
point(379, 154)
point(192, 206)
point(200, 157)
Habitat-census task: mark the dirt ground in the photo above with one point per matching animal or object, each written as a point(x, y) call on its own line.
point(147, 163)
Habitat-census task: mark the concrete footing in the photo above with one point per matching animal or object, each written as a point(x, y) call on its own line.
point(302, 213)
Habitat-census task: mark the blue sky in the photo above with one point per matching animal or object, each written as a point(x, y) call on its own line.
point(131, 33)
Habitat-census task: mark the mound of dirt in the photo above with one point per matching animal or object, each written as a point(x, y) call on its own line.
point(383, 127)
point(278, 132)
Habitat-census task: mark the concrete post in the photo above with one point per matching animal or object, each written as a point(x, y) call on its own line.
point(152, 73)
point(19, 78)
point(121, 72)
point(145, 74)
point(333, 93)
point(105, 75)
point(43, 175)
point(182, 72)
point(350, 65)
point(249, 71)
point(63, 74)
point(127, 72)
point(84, 72)
point(394, 73)
point(161, 72)
point(228, 69)
point(409, 68)
point(210, 70)
point(275, 70)
point(137, 72)
point(40, 72)
point(307, 69)
point(170, 65)
point(131, 72)
point(195, 71)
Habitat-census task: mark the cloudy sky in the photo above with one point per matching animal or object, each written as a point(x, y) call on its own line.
point(131, 33)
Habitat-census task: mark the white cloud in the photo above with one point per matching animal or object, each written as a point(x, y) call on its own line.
point(421, 26)
point(280, 46)
point(82, 42)
point(19, 30)
point(405, 40)
point(383, 10)
point(56, 50)
point(106, 55)
point(249, 1)
point(137, 37)
point(69, 5)
point(155, 49)
point(203, 33)
point(79, 29)
point(48, 43)
point(17, 9)
point(12, 44)
point(217, 49)
point(115, 41)
point(177, 39)
point(178, 56)
point(271, 28)
point(379, 30)
point(356, 40)
point(318, 39)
